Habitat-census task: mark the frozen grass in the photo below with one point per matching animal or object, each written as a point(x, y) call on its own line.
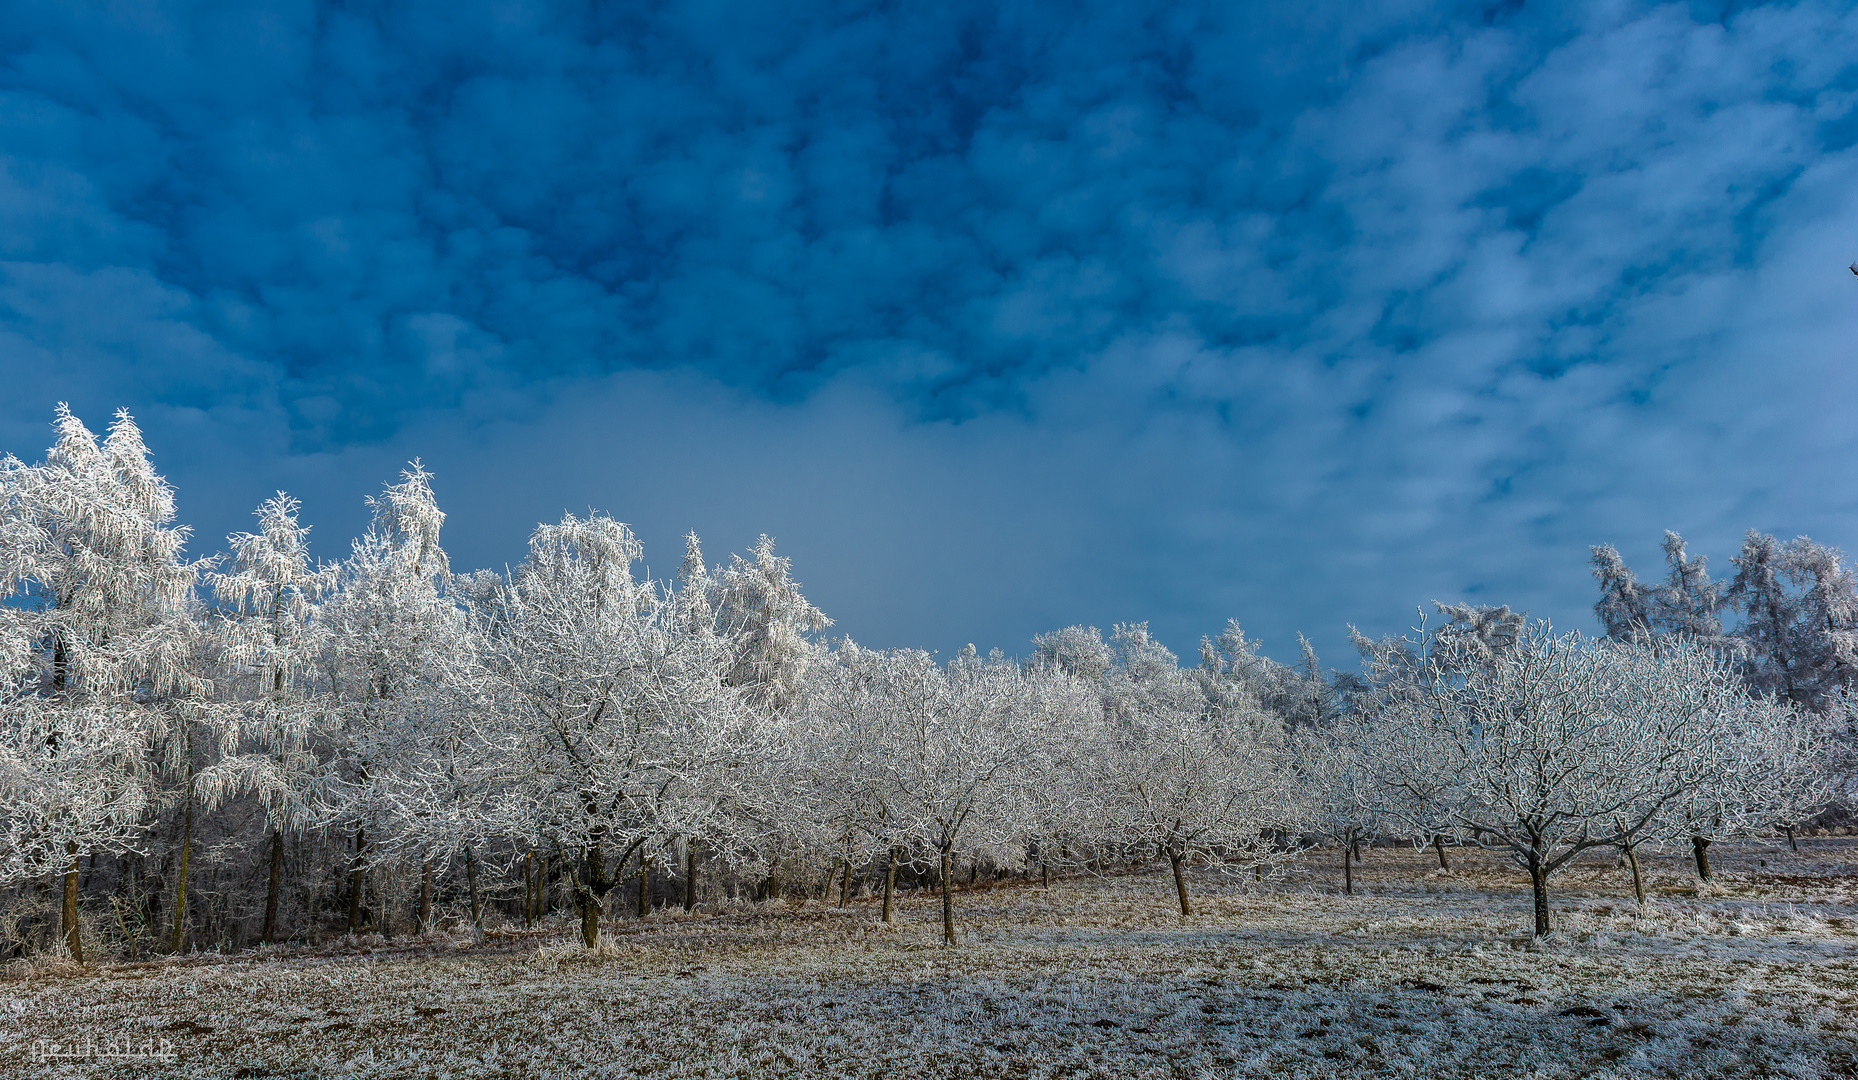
point(1422, 973)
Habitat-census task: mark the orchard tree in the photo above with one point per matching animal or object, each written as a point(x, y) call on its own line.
point(947, 748)
point(1774, 769)
point(829, 791)
point(1558, 745)
point(607, 715)
point(1339, 783)
point(1174, 773)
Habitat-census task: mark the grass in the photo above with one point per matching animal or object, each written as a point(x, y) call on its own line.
point(1421, 973)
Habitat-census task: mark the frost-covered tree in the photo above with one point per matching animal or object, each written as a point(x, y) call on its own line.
point(1559, 745)
point(396, 638)
point(947, 745)
point(97, 638)
point(767, 623)
point(1799, 604)
point(607, 718)
point(268, 597)
point(1078, 651)
point(1173, 774)
point(1339, 783)
point(1625, 606)
point(195, 739)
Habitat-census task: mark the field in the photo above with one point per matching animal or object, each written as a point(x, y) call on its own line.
point(1421, 973)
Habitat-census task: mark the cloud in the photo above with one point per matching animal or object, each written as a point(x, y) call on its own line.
point(1007, 315)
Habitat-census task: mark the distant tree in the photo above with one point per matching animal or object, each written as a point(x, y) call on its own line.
point(1477, 633)
point(1686, 604)
point(1301, 696)
point(1800, 620)
point(767, 623)
point(1625, 606)
point(1075, 650)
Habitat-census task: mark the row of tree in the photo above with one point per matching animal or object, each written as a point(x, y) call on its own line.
point(336, 742)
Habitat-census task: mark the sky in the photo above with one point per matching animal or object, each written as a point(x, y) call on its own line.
point(998, 317)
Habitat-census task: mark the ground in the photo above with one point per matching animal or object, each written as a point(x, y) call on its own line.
point(1421, 973)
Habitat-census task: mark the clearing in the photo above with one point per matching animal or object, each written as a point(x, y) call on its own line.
point(1421, 973)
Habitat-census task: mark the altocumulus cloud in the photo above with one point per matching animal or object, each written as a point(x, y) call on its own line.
point(998, 316)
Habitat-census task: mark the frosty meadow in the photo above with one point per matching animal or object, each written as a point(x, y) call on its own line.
point(383, 818)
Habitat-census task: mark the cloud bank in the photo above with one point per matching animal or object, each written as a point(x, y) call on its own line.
point(999, 317)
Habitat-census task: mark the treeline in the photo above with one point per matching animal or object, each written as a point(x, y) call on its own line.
point(254, 747)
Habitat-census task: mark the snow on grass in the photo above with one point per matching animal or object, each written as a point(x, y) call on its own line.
point(1422, 973)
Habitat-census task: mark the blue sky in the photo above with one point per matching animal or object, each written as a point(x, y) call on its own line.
point(999, 317)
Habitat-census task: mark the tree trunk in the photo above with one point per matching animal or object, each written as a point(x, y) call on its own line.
point(528, 890)
point(74, 935)
point(890, 885)
point(948, 902)
point(1638, 881)
point(1438, 845)
point(477, 907)
point(590, 917)
point(589, 893)
point(180, 886)
point(274, 887)
point(1538, 883)
point(1348, 866)
point(1180, 884)
point(645, 885)
point(1791, 842)
point(1539, 887)
point(425, 896)
point(1700, 850)
point(690, 875)
point(1045, 871)
point(354, 883)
